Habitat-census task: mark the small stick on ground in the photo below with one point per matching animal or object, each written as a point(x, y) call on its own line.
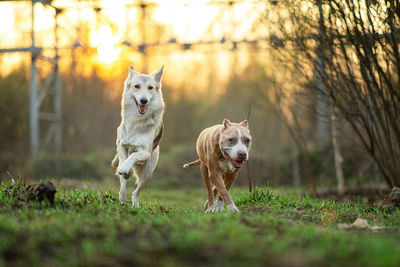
point(247, 162)
point(248, 175)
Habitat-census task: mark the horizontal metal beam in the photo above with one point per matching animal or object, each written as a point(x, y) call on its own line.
point(33, 49)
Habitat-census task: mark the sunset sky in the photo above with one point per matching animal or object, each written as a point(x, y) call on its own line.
point(106, 32)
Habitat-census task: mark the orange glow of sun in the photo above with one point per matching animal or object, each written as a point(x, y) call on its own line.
point(106, 44)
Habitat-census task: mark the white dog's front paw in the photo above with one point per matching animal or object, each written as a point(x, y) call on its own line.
point(124, 171)
point(216, 207)
point(232, 207)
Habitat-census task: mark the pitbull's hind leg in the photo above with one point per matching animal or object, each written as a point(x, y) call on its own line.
point(207, 182)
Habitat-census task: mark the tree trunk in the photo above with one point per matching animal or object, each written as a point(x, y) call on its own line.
point(337, 154)
point(296, 165)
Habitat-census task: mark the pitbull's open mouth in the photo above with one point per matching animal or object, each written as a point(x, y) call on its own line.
point(236, 164)
point(141, 108)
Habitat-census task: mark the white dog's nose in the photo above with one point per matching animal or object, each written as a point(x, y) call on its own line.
point(143, 101)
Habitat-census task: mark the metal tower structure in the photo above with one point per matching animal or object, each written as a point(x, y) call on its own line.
point(50, 90)
point(45, 113)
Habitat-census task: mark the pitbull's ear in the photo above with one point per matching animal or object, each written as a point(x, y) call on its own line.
point(245, 123)
point(158, 75)
point(226, 123)
point(132, 71)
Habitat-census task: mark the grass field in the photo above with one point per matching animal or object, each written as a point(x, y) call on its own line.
point(89, 227)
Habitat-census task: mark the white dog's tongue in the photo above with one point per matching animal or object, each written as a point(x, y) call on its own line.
point(142, 108)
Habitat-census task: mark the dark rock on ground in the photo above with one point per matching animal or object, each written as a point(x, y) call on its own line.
point(394, 196)
point(26, 192)
point(42, 191)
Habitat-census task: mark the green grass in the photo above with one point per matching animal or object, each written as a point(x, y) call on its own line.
point(90, 227)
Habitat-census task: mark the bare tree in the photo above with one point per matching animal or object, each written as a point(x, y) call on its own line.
point(337, 152)
point(361, 64)
point(364, 73)
point(322, 90)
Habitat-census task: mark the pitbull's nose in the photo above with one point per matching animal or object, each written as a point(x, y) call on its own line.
point(242, 155)
point(143, 101)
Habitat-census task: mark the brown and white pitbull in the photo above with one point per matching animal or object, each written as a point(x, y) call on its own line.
point(222, 151)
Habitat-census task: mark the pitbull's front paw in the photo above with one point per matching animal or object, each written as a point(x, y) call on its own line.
point(206, 205)
point(232, 207)
point(216, 207)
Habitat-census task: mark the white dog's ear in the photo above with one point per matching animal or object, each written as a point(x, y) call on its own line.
point(132, 71)
point(158, 75)
point(245, 123)
point(226, 123)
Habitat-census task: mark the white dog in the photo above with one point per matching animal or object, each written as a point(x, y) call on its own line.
point(138, 135)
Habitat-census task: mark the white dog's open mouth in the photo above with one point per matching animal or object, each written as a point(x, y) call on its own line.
point(236, 164)
point(141, 108)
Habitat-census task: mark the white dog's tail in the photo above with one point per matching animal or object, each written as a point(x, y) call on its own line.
point(114, 162)
point(191, 164)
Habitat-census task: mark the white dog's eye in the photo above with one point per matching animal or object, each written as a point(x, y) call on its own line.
point(137, 86)
point(150, 87)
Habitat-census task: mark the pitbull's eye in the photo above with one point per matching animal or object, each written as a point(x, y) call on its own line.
point(246, 140)
point(150, 87)
point(137, 86)
point(232, 140)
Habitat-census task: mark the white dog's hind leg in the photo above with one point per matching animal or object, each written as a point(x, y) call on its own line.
point(136, 193)
point(122, 155)
point(122, 190)
point(143, 175)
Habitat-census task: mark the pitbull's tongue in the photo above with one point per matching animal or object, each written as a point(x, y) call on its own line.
point(237, 164)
